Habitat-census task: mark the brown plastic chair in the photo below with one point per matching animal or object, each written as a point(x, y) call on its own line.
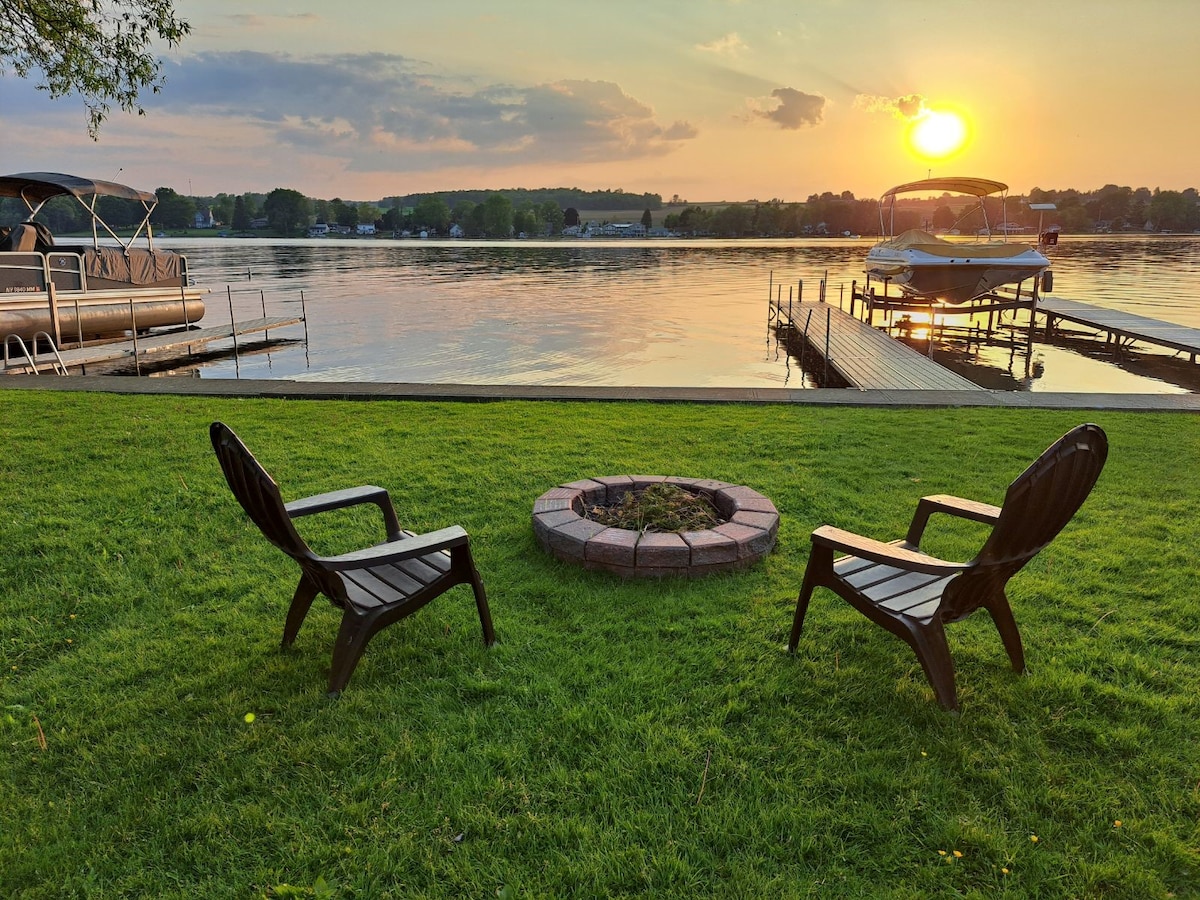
point(913, 595)
point(375, 586)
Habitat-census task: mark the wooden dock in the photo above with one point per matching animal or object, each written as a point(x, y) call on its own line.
point(1121, 328)
point(862, 356)
point(146, 348)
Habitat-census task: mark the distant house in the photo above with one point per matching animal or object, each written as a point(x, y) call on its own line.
point(456, 230)
point(204, 218)
point(365, 228)
point(621, 229)
point(320, 229)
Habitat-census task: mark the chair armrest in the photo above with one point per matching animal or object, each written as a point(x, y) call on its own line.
point(397, 550)
point(898, 554)
point(367, 493)
point(954, 506)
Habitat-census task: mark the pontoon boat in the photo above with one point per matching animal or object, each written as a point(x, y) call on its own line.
point(75, 293)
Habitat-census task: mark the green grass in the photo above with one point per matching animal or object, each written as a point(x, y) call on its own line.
point(621, 739)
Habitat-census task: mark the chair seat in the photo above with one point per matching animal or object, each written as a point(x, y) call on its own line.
point(915, 595)
point(394, 584)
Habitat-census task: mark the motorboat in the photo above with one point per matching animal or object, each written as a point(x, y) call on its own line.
point(68, 292)
point(935, 269)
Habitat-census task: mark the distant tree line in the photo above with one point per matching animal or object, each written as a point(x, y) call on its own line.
point(500, 214)
point(1108, 210)
point(563, 198)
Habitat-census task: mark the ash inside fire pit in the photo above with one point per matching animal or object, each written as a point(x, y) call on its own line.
point(738, 530)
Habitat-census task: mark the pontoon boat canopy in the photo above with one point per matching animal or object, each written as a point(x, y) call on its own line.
point(978, 187)
point(36, 188)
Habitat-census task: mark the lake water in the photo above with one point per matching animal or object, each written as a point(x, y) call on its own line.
point(648, 313)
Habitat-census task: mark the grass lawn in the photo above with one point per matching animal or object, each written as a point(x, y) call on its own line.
point(621, 739)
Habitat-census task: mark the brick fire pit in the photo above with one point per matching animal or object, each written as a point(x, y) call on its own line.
point(747, 535)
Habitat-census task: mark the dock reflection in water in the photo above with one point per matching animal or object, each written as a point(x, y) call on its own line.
point(653, 313)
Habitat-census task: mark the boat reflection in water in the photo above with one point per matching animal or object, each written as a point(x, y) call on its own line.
point(80, 292)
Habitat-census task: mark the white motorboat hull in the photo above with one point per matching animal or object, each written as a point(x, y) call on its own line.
point(953, 273)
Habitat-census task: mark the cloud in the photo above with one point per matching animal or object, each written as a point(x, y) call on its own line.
point(729, 45)
point(911, 106)
point(796, 109)
point(680, 131)
point(255, 20)
point(362, 105)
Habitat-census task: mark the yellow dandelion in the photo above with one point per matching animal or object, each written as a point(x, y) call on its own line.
point(1117, 823)
point(69, 641)
point(248, 718)
point(941, 853)
point(72, 615)
point(1034, 838)
point(1004, 871)
point(923, 753)
point(958, 854)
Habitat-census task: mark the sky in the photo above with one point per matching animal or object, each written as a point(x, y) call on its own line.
point(710, 100)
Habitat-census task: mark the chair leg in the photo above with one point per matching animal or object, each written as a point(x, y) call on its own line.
point(806, 590)
point(934, 653)
point(353, 635)
point(481, 604)
point(301, 601)
point(1001, 613)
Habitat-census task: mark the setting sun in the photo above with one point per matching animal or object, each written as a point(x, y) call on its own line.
point(938, 134)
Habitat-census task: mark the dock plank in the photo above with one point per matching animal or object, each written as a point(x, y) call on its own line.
point(151, 345)
point(1121, 323)
point(865, 357)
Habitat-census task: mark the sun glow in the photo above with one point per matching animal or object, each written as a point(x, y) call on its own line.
point(938, 134)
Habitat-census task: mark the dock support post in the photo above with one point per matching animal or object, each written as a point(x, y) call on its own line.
point(52, 297)
point(78, 321)
point(232, 322)
point(137, 363)
point(304, 318)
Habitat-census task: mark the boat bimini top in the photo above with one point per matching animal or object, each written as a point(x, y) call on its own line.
point(35, 188)
point(976, 187)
